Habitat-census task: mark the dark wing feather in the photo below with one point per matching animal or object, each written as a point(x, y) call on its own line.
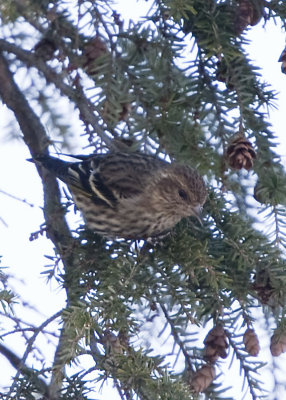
point(86, 181)
point(126, 174)
point(80, 178)
point(105, 177)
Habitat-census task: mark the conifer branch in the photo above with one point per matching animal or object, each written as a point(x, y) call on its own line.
point(177, 338)
point(192, 113)
point(36, 139)
point(20, 363)
point(22, 369)
point(252, 384)
point(76, 95)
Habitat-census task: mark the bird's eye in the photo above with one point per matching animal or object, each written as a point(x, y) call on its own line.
point(183, 194)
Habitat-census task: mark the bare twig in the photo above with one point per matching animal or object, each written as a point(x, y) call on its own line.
point(17, 198)
point(21, 330)
point(21, 363)
point(3, 222)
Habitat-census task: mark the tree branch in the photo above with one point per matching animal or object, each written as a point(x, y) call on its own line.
point(85, 107)
point(177, 338)
point(35, 137)
point(29, 373)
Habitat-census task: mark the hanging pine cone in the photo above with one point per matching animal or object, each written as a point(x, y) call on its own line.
point(278, 344)
point(282, 59)
point(202, 378)
point(240, 153)
point(216, 344)
point(247, 13)
point(263, 287)
point(251, 342)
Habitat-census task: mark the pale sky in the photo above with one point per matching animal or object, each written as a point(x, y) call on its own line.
point(25, 259)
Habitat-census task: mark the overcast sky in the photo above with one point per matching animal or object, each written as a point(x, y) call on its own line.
point(25, 258)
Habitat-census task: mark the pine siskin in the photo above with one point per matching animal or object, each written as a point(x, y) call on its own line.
point(133, 196)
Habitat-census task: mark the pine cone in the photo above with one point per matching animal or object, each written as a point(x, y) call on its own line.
point(251, 342)
point(263, 287)
point(240, 153)
point(202, 378)
point(282, 59)
point(278, 344)
point(216, 344)
point(247, 13)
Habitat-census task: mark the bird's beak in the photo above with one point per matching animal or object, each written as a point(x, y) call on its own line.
point(197, 210)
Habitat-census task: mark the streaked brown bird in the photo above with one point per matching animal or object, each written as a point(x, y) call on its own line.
point(130, 195)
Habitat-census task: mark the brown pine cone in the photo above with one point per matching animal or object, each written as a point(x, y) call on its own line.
point(278, 344)
point(202, 378)
point(251, 342)
point(247, 13)
point(124, 114)
point(216, 344)
point(240, 153)
point(263, 287)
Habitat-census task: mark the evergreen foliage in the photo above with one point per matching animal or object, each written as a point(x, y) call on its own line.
point(178, 83)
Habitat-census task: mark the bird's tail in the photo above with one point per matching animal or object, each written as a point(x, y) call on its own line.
point(59, 167)
point(74, 174)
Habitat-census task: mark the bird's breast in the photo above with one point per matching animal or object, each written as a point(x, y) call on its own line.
point(128, 219)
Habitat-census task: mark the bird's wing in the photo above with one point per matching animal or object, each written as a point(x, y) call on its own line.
point(125, 175)
point(84, 178)
point(80, 177)
point(105, 177)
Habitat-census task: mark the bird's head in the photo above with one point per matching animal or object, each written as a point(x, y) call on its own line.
point(181, 190)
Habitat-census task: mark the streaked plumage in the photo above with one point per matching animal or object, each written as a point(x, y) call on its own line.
point(134, 196)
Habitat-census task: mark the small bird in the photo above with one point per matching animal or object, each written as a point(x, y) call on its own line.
point(130, 195)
